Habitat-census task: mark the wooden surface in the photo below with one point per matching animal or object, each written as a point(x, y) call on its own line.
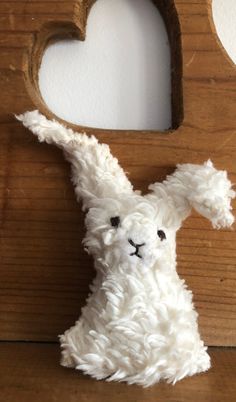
point(44, 273)
point(31, 373)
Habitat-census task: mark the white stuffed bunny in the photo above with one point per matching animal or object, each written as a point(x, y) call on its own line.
point(139, 324)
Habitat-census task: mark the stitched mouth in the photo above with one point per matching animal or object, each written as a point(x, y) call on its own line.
point(137, 254)
point(137, 247)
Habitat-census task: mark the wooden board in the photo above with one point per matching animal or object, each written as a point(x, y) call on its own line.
point(31, 373)
point(44, 273)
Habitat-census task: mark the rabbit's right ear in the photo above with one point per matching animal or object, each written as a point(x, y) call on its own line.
point(96, 174)
point(202, 187)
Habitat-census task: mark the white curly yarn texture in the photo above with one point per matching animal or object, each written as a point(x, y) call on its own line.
point(139, 324)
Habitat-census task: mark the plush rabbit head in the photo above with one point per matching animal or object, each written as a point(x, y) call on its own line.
point(139, 324)
point(130, 230)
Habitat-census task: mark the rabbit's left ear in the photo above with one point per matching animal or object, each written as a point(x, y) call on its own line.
point(96, 174)
point(206, 189)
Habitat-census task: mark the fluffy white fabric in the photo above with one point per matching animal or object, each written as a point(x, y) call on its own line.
point(139, 324)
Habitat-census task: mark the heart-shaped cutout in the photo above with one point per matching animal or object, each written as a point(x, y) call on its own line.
point(119, 77)
point(224, 15)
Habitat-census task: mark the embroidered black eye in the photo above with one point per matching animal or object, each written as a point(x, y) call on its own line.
point(161, 234)
point(115, 221)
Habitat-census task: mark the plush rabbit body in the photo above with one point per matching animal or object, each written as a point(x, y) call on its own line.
point(139, 324)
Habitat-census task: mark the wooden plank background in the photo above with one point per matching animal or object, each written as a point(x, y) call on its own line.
point(44, 272)
point(30, 372)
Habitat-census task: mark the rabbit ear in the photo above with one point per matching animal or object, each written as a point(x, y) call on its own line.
point(201, 187)
point(96, 174)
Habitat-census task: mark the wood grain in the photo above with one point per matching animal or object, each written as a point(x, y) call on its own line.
point(30, 372)
point(44, 273)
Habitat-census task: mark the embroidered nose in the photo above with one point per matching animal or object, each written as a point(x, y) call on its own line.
point(137, 247)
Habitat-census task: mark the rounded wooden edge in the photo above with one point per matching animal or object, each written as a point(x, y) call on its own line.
point(216, 36)
point(58, 30)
